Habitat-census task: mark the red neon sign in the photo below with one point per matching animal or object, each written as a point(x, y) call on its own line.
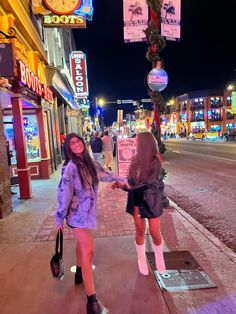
point(28, 78)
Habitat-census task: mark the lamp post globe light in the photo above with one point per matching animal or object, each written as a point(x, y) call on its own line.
point(101, 102)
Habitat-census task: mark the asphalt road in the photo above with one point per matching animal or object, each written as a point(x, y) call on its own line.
point(201, 179)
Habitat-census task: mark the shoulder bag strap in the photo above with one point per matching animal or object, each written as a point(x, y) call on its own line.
point(59, 238)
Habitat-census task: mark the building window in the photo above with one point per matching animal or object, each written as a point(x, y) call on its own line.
point(214, 115)
point(216, 102)
point(230, 126)
point(197, 104)
point(215, 128)
point(228, 101)
point(229, 115)
point(198, 116)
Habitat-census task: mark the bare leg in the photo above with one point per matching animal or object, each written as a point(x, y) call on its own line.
point(85, 241)
point(155, 231)
point(139, 227)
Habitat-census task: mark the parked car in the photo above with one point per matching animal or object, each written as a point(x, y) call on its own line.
point(230, 136)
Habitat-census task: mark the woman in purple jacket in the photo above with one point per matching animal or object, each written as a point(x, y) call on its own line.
point(77, 196)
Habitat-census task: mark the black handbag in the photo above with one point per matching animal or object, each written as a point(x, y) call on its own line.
point(56, 262)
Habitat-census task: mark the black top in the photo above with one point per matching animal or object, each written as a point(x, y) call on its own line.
point(96, 145)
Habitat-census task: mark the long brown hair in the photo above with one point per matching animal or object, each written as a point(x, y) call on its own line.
point(84, 162)
point(143, 162)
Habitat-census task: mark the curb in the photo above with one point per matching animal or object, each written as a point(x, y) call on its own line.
point(206, 233)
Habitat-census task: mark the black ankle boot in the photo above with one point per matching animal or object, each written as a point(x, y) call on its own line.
point(78, 276)
point(96, 307)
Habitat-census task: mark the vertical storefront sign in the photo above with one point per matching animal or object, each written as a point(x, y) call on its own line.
point(120, 116)
point(170, 19)
point(233, 103)
point(126, 150)
point(135, 20)
point(78, 67)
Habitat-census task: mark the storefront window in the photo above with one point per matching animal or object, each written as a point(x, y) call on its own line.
point(215, 128)
point(31, 137)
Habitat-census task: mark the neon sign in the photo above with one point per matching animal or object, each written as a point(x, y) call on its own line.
point(57, 13)
point(78, 68)
point(64, 20)
point(86, 9)
point(29, 79)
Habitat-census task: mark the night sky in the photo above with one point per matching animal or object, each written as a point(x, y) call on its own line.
point(203, 59)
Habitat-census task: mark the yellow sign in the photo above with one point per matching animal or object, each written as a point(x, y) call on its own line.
point(64, 20)
point(233, 103)
point(120, 116)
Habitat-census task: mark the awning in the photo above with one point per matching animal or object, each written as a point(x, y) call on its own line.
point(60, 88)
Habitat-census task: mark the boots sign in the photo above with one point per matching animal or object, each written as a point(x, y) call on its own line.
point(78, 69)
point(29, 79)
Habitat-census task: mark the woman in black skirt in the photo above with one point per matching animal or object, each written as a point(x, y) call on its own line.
point(144, 198)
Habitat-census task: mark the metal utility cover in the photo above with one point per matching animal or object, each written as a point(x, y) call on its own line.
point(183, 272)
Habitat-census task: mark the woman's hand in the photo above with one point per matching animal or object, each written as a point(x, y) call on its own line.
point(59, 228)
point(118, 185)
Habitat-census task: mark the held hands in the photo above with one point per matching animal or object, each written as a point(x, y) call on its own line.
point(118, 185)
point(59, 228)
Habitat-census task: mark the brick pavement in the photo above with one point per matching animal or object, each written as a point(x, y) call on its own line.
point(112, 219)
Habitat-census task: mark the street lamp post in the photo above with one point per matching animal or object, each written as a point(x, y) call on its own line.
point(156, 44)
point(99, 103)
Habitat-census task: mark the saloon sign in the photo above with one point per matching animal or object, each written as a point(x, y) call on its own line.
point(78, 69)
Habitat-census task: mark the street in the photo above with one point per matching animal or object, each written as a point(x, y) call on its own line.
point(201, 180)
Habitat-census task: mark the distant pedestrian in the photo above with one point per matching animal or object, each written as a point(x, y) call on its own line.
point(62, 139)
point(77, 197)
point(144, 198)
point(107, 147)
point(96, 147)
point(9, 157)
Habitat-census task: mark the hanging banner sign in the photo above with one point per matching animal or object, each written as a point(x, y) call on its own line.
point(29, 79)
point(78, 68)
point(126, 150)
point(135, 15)
point(170, 19)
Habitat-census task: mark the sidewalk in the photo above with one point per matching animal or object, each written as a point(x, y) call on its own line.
point(27, 244)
